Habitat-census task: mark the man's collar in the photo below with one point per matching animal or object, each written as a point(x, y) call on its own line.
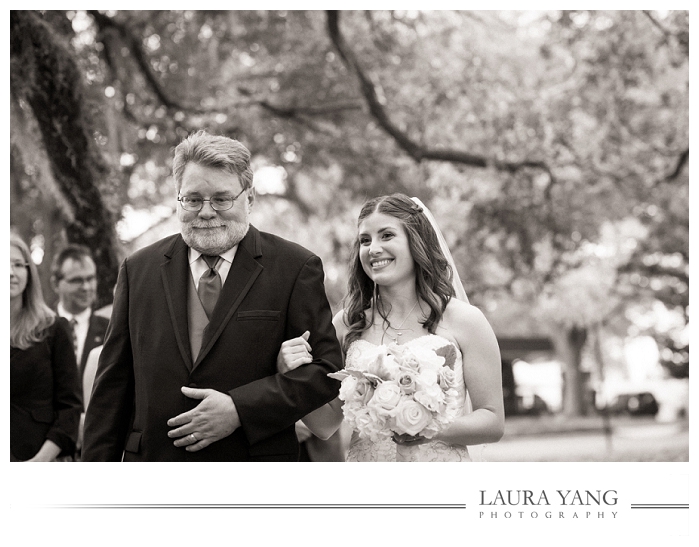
point(79, 317)
point(229, 255)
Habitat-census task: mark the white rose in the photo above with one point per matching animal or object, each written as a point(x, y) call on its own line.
point(411, 417)
point(406, 381)
point(363, 392)
point(386, 397)
point(447, 378)
point(430, 396)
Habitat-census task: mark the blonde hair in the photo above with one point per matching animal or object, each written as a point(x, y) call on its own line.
point(35, 316)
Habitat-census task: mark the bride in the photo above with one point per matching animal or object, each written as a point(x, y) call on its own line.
point(403, 290)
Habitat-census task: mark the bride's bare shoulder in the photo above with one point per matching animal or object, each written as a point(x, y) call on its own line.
point(460, 311)
point(464, 319)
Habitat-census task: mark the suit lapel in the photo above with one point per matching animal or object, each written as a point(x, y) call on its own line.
point(175, 274)
point(243, 273)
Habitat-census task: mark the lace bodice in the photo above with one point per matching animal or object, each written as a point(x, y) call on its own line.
point(365, 450)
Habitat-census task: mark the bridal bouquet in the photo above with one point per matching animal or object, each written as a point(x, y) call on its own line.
point(399, 389)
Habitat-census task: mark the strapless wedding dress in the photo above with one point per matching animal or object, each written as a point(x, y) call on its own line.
point(385, 450)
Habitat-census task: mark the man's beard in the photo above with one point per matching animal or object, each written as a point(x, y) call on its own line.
point(213, 242)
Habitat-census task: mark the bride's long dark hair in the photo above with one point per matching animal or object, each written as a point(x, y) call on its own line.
point(433, 274)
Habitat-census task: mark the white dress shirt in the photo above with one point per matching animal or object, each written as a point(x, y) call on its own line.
point(82, 325)
point(198, 265)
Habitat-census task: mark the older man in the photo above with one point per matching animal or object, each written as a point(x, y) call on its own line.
point(188, 370)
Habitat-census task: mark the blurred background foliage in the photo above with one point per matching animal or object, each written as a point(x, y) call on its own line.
point(553, 147)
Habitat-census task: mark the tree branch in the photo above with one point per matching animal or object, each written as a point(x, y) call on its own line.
point(53, 90)
point(105, 23)
point(657, 24)
point(681, 37)
point(295, 113)
point(681, 162)
point(319, 110)
point(412, 148)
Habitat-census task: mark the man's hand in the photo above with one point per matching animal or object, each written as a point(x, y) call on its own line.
point(211, 420)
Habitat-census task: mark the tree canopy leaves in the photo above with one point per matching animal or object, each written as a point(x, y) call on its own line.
point(552, 146)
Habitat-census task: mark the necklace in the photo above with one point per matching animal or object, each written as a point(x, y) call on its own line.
point(398, 328)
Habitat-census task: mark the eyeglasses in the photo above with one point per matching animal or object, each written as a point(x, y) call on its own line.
point(78, 281)
point(16, 264)
point(218, 203)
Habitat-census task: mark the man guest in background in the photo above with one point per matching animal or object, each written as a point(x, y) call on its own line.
point(74, 280)
point(188, 370)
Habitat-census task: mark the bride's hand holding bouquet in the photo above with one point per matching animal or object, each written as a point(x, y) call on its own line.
point(406, 393)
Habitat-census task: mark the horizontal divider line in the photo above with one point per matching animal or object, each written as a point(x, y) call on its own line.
point(659, 506)
point(260, 506)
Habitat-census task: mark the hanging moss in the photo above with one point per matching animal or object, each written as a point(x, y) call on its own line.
point(45, 76)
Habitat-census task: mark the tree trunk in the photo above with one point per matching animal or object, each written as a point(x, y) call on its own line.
point(600, 362)
point(35, 212)
point(569, 343)
point(45, 75)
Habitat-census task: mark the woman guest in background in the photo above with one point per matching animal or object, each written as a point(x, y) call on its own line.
point(404, 290)
point(45, 400)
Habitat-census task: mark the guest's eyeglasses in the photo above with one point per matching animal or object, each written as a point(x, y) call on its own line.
point(218, 203)
point(79, 281)
point(17, 265)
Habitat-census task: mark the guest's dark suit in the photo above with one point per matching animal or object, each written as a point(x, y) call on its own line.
point(97, 327)
point(274, 291)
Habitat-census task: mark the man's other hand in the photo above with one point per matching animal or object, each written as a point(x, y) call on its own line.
point(214, 418)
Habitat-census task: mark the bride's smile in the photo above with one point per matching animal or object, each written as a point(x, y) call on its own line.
point(378, 264)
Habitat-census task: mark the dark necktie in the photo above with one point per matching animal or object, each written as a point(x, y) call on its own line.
point(209, 284)
point(73, 327)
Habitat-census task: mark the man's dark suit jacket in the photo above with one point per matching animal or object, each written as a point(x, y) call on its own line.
point(95, 337)
point(97, 327)
point(274, 291)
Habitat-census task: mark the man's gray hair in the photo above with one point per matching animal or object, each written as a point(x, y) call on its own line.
point(214, 151)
